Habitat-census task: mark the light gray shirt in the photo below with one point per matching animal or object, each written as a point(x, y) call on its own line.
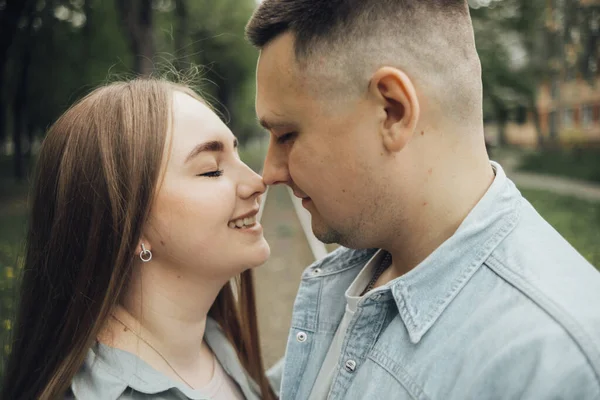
point(332, 360)
point(113, 374)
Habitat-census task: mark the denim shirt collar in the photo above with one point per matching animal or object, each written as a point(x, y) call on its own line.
point(425, 292)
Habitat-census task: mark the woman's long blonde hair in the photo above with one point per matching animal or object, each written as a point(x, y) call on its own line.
point(97, 173)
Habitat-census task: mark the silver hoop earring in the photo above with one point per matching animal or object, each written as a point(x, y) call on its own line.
point(145, 255)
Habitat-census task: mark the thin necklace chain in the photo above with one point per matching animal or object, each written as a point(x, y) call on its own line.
point(383, 265)
point(153, 348)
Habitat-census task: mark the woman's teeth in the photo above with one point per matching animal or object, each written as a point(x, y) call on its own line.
point(242, 223)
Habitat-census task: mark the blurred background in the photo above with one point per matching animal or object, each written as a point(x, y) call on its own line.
point(541, 79)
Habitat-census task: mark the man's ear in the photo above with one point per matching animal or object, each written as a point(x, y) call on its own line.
point(397, 95)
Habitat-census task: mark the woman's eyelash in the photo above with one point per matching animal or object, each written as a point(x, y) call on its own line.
point(213, 174)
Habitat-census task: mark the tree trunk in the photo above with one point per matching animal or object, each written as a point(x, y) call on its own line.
point(17, 135)
point(30, 130)
point(501, 117)
point(9, 19)
point(3, 105)
point(20, 101)
point(137, 23)
point(536, 122)
point(88, 33)
point(223, 96)
point(20, 112)
point(182, 49)
point(2, 123)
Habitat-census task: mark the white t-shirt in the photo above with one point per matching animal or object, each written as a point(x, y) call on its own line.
point(324, 380)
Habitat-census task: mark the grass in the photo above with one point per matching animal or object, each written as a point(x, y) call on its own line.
point(577, 220)
point(577, 163)
point(13, 219)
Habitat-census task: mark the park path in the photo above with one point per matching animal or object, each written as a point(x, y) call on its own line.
point(559, 185)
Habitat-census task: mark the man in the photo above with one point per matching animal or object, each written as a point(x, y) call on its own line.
point(375, 113)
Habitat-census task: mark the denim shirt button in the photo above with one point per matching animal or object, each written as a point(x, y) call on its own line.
point(301, 337)
point(316, 271)
point(350, 366)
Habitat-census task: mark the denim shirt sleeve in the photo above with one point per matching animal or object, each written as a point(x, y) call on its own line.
point(528, 380)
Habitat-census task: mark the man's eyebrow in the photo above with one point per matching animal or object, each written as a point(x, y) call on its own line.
point(273, 125)
point(211, 146)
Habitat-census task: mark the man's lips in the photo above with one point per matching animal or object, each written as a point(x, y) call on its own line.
point(301, 196)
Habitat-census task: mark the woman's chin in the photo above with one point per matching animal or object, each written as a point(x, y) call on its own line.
point(258, 255)
point(263, 253)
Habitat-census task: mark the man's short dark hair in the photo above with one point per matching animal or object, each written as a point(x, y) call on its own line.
point(431, 41)
point(325, 20)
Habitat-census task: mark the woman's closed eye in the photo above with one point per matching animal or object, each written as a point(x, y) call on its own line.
point(212, 174)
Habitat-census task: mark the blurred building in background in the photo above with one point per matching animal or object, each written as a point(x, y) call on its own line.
point(569, 101)
point(567, 105)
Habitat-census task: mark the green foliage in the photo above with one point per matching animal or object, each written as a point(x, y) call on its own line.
point(68, 63)
point(509, 37)
point(76, 45)
point(575, 163)
point(12, 234)
point(216, 42)
point(576, 220)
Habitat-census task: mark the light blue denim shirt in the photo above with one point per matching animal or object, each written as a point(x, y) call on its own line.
point(504, 309)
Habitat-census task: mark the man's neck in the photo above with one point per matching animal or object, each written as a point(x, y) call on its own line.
point(448, 197)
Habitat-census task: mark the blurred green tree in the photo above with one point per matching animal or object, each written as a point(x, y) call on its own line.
point(510, 41)
point(137, 21)
point(210, 34)
point(54, 51)
point(11, 12)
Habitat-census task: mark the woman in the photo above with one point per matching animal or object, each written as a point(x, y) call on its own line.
point(142, 213)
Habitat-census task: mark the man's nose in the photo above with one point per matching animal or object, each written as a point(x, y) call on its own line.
point(275, 169)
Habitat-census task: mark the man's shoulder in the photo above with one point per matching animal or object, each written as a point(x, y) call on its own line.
point(537, 260)
point(547, 274)
point(524, 351)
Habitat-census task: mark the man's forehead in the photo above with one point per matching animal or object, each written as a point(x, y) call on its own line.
point(291, 88)
point(277, 64)
point(279, 83)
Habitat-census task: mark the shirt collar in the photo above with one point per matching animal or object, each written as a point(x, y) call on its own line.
point(107, 368)
point(425, 292)
point(139, 375)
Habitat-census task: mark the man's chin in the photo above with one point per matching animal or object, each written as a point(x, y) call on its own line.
point(322, 231)
point(326, 234)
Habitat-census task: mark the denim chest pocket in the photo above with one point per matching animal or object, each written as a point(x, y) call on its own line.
point(382, 377)
point(386, 376)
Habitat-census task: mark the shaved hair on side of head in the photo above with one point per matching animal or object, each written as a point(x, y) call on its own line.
point(346, 41)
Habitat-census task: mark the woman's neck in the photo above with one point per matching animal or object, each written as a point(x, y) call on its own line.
point(166, 313)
